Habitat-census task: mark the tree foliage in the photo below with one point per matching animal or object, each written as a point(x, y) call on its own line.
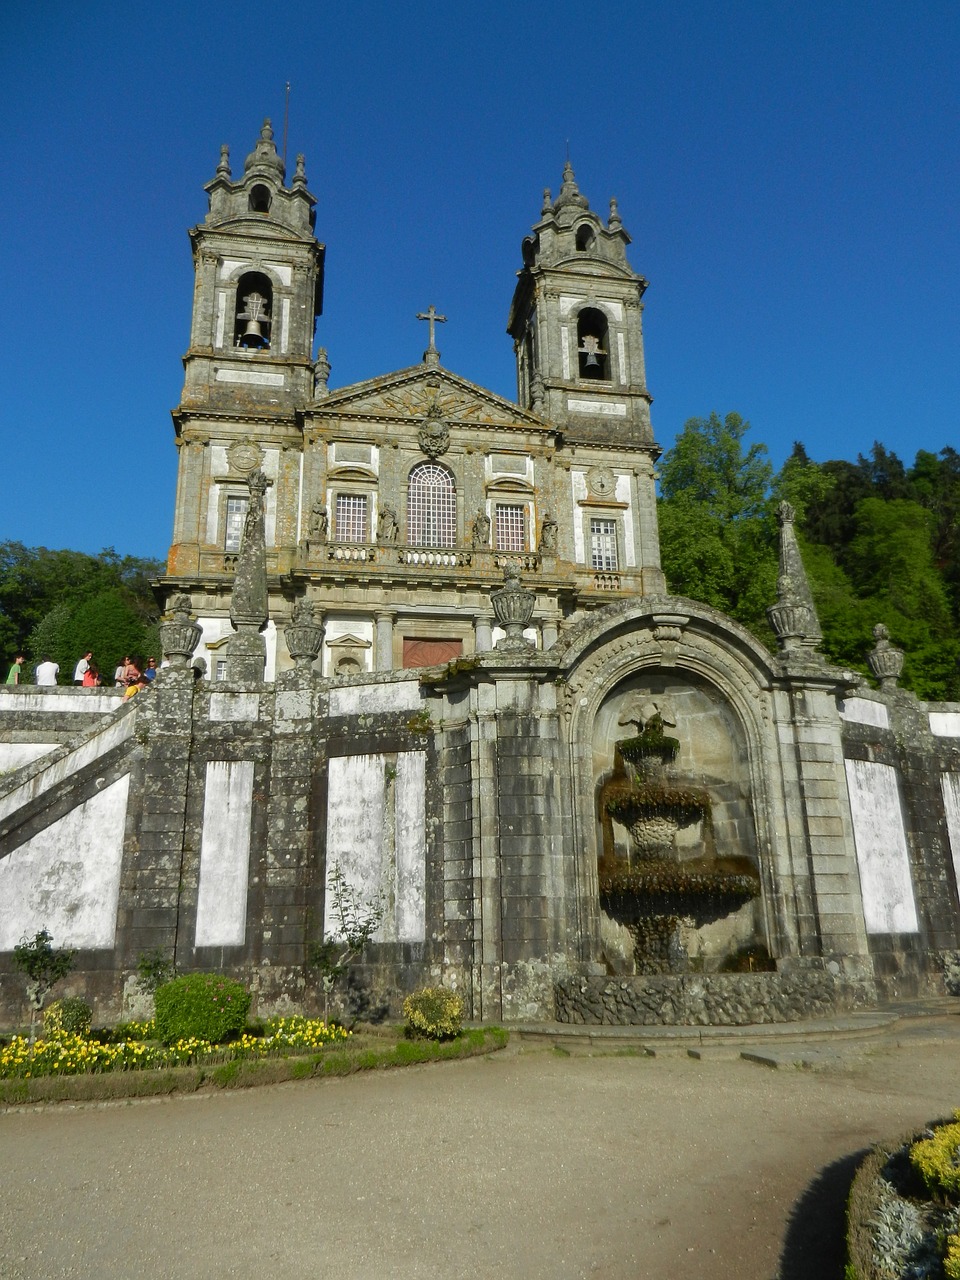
point(880, 542)
point(62, 603)
point(718, 534)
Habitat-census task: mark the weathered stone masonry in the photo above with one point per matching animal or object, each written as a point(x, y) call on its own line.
point(429, 619)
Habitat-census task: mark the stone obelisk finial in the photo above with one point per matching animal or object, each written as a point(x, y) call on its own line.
point(247, 650)
point(794, 617)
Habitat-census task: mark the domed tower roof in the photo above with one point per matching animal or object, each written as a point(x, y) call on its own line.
point(569, 192)
point(263, 158)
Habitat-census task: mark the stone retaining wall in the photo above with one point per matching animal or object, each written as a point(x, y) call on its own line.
point(707, 999)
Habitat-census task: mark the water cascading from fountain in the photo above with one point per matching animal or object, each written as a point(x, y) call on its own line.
point(652, 892)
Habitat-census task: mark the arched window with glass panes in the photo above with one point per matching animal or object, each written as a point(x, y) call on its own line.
point(431, 507)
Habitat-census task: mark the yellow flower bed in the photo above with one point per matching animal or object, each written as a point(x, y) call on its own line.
point(937, 1159)
point(65, 1054)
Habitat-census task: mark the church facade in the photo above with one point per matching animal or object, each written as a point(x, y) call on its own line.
point(392, 505)
point(418, 636)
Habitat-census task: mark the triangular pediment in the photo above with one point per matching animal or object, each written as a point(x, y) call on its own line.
point(412, 393)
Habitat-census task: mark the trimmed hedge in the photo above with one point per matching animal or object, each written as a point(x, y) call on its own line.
point(202, 1006)
point(434, 1012)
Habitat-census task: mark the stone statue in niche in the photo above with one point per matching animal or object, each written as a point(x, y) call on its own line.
point(481, 529)
point(388, 526)
point(548, 535)
point(319, 522)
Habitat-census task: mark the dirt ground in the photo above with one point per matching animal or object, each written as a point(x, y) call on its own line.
point(530, 1163)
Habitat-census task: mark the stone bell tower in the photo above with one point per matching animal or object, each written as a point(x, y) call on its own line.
point(248, 369)
point(576, 323)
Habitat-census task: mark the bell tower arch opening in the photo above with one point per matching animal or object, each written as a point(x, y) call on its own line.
point(254, 311)
point(593, 345)
point(260, 198)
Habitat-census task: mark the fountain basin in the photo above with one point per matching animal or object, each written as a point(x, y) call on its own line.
point(708, 999)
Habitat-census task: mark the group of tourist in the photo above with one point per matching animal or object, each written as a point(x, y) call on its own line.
point(132, 674)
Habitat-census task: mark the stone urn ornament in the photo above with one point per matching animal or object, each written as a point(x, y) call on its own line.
point(180, 634)
point(513, 605)
point(304, 636)
point(885, 660)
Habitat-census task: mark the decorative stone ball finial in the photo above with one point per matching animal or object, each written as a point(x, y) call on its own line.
point(223, 168)
point(300, 176)
point(547, 206)
point(321, 373)
point(613, 222)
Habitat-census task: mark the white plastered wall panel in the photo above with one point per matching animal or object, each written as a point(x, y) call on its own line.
point(881, 845)
point(66, 879)
point(225, 853)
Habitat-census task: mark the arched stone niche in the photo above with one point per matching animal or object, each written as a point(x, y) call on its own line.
point(713, 757)
point(723, 679)
point(713, 754)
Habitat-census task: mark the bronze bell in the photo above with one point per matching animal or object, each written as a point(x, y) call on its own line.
point(591, 350)
point(255, 314)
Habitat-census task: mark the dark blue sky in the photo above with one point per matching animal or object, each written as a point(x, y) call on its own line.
point(789, 173)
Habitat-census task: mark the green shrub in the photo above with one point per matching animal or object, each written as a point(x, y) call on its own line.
point(937, 1160)
point(70, 1016)
point(951, 1259)
point(201, 1006)
point(434, 1012)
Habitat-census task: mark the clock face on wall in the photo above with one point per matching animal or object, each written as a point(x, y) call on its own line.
point(601, 482)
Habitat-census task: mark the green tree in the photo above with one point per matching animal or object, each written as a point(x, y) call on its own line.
point(707, 465)
point(717, 532)
point(33, 580)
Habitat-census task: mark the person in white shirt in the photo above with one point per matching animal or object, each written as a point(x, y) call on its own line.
point(82, 667)
point(47, 671)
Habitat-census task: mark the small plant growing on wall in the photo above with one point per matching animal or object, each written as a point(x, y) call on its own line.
point(154, 968)
point(354, 921)
point(44, 965)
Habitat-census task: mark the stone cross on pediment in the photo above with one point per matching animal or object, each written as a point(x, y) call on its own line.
point(431, 356)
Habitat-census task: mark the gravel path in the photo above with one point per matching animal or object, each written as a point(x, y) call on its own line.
point(530, 1163)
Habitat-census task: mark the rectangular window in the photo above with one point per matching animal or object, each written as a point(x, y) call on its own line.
point(603, 544)
point(511, 528)
point(236, 514)
point(351, 517)
point(221, 669)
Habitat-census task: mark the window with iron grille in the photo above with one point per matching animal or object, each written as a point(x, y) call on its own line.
point(603, 544)
point(511, 528)
point(236, 514)
point(351, 517)
point(431, 507)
